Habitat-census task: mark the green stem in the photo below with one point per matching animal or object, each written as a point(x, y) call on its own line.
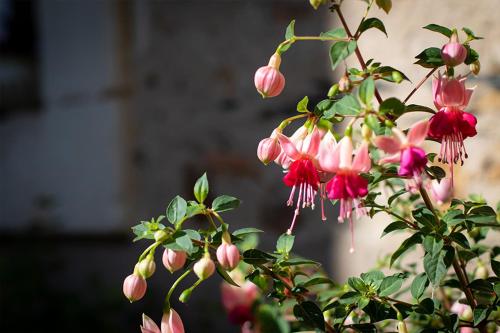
point(176, 283)
point(152, 247)
point(287, 121)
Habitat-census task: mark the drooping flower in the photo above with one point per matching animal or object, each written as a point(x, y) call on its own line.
point(326, 146)
point(134, 287)
point(451, 125)
point(405, 150)
point(441, 190)
point(297, 139)
point(347, 185)
point(228, 254)
point(148, 325)
point(174, 260)
point(268, 79)
point(269, 149)
point(204, 268)
point(171, 322)
point(453, 53)
point(238, 301)
point(302, 174)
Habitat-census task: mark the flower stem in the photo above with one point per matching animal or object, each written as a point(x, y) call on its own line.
point(419, 85)
point(288, 120)
point(176, 283)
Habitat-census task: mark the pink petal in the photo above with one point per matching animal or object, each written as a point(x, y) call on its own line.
point(389, 144)
point(390, 159)
point(311, 143)
point(468, 94)
point(329, 157)
point(345, 159)
point(148, 325)
point(362, 162)
point(288, 147)
point(418, 133)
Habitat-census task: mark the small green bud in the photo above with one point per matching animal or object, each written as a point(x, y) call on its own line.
point(160, 235)
point(316, 3)
point(397, 77)
point(348, 131)
point(333, 90)
point(185, 295)
point(389, 123)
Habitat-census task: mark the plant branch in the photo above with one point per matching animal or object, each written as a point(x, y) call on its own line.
point(419, 85)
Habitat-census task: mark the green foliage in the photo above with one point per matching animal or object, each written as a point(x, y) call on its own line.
point(340, 51)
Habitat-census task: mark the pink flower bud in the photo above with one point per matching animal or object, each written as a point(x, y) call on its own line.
point(228, 256)
point(204, 268)
point(171, 322)
point(441, 191)
point(174, 260)
point(268, 79)
point(146, 267)
point(268, 150)
point(453, 53)
point(134, 287)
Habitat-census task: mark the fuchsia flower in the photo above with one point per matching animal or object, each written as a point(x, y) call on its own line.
point(268, 79)
point(302, 173)
point(441, 191)
point(453, 53)
point(451, 125)
point(238, 301)
point(148, 325)
point(406, 151)
point(327, 146)
point(269, 149)
point(347, 185)
point(134, 287)
point(171, 322)
point(298, 139)
point(174, 260)
point(228, 255)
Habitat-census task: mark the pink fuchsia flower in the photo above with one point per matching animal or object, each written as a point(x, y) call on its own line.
point(238, 301)
point(453, 53)
point(171, 322)
point(405, 150)
point(347, 185)
point(441, 190)
point(148, 325)
point(302, 173)
point(297, 139)
point(228, 255)
point(269, 149)
point(268, 79)
point(174, 260)
point(134, 287)
point(451, 125)
point(326, 146)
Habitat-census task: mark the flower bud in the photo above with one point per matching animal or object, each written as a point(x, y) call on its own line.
point(160, 235)
point(228, 256)
point(174, 260)
point(441, 191)
point(475, 67)
point(316, 3)
point(268, 150)
point(366, 132)
point(134, 287)
point(268, 79)
point(333, 90)
point(453, 53)
point(171, 322)
point(204, 268)
point(345, 83)
point(402, 327)
point(467, 314)
point(146, 267)
point(481, 271)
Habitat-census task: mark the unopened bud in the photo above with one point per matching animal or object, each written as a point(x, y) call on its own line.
point(317, 3)
point(441, 190)
point(134, 287)
point(268, 79)
point(146, 267)
point(185, 295)
point(481, 271)
point(160, 235)
point(204, 268)
point(268, 150)
point(467, 314)
point(345, 83)
point(333, 90)
point(366, 132)
point(475, 67)
point(174, 260)
point(228, 255)
point(453, 53)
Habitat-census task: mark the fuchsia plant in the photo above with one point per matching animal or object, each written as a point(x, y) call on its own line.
point(346, 150)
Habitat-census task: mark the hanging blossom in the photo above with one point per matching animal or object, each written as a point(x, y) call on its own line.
point(297, 139)
point(327, 145)
point(451, 124)
point(347, 185)
point(405, 150)
point(302, 174)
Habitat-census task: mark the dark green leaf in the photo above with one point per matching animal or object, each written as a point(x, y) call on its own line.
point(299, 261)
point(430, 58)
point(357, 284)
point(387, 73)
point(472, 55)
point(390, 285)
point(419, 108)
point(495, 266)
point(201, 188)
point(257, 257)
point(438, 28)
point(397, 225)
point(223, 273)
point(480, 314)
point(347, 106)
point(396, 195)
point(367, 90)
point(224, 203)
point(315, 281)
point(349, 297)
point(470, 34)
point(419, 285)
point(392, 106)
point(270, 320)
point(406, 245)
point(460, 239)
point(434, 264)
point(310, 313)
point(245, 231)
point(454, 217)
point(425, 217)
point(285, 243)
point(341, 50)
point(436, 172)
point(385, 5)
point(364, 328)
point(372, 22)
point(426, 306)
point(176, 210)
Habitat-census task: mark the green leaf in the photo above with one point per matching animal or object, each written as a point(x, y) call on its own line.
point(315, 281)
point(357, 284)
point(270, 320)
point(341, 50)
point(225, 203)
point(347, 106)
point(372, 122)
point(246, 231)
point(285, 243)
point(367, 90)
point(482, 214)
point(397, 225)
point(392, 106)
point(176, 210)
point(495, 266)
point(425, 217)
point(396, 195)
point(454, 217)
point(430, 58)
point(299, 261)
point(480, 314)
point(223, 273)
point(426, 306)
point(334, 33)
point(350, 297)
point(257, 257)
point(290, 30)
point(406, 245)
point(201, 188)
point(184, 242)
point(419, 108)
point(436, 172)
point(194, 209)
point(460, 239)
point(434, 264)
point(419, 285)
point(390, 285)
point(364, 328)
point(372, 22)
point(302, 105)
point(481, 285)
point(387, 73)
point(470, 34)
point(439, 28)
point(310, 313)
point(385, 5)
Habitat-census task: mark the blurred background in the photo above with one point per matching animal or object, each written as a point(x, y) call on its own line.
point(108, 109)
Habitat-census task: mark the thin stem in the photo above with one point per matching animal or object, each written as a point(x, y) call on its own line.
point(357, 51)
point(357, 33)
point(463, 283)
point(408, 222)
point(176, 283)
point(288, 120)
point(419, 85)
point(428, 203)
point(148, 249)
